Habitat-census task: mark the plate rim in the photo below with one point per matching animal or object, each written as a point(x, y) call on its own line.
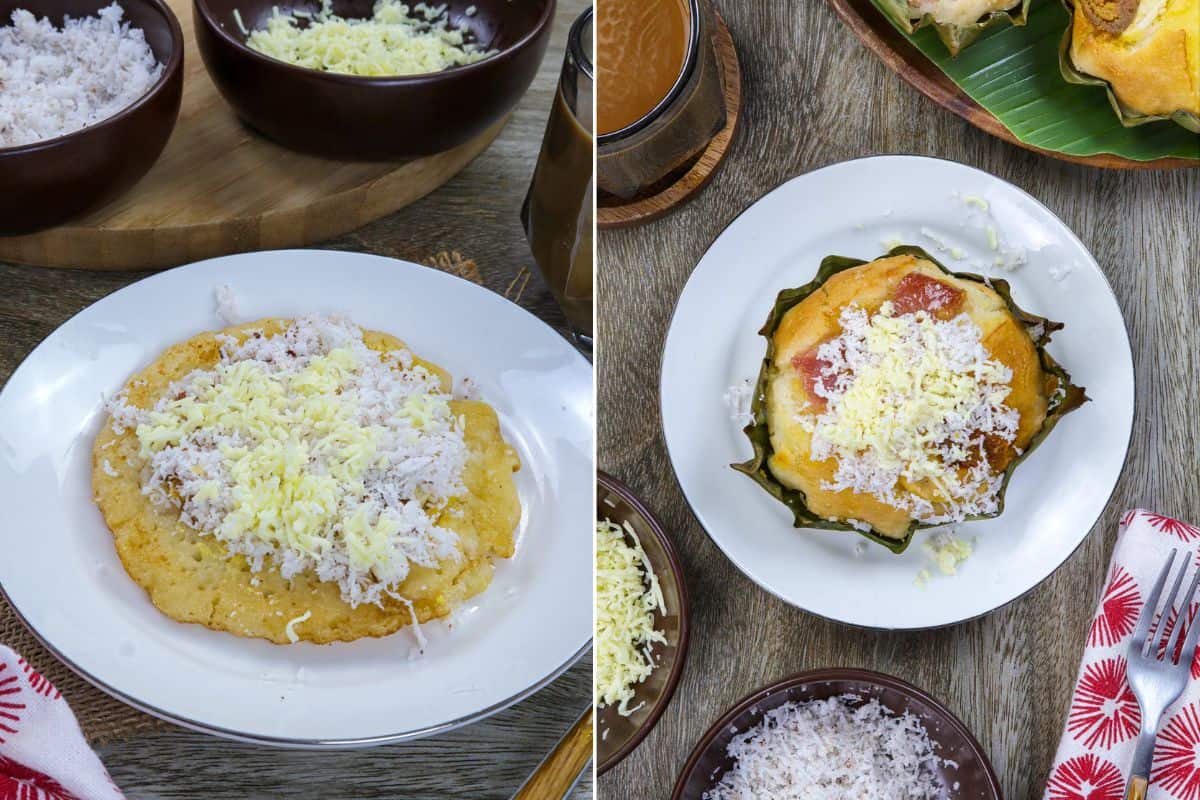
point(274, 741)
point(898, 55)
point(289, 743)
point(688, 500)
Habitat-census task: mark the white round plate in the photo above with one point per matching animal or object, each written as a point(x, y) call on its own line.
point(60, 571)
point(860, 209)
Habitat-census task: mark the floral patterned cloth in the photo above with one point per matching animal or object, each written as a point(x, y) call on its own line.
point(1102, 725)
point(43, 755)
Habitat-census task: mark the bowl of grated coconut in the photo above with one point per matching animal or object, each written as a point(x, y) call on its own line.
point(372, 80)
point(838, 733)
point(641, 636)
point(89, 95)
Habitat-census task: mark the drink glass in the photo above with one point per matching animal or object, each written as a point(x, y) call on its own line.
point(559, 210)
point(640, 157)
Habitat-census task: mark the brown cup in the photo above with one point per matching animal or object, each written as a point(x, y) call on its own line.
point(633, 159)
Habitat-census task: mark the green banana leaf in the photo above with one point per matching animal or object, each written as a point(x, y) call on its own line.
point(758, 431)
point(1015, 73)
point(1128, 116)
point(955, 37)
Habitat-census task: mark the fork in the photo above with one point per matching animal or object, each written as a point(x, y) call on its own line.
point(1157, 679)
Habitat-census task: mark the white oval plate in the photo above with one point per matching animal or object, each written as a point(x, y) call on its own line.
point(61, 572)
point(857, 209)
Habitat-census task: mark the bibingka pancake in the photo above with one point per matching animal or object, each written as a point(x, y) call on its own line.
point(1146, 51)
point(225, 463)
point(897, 395)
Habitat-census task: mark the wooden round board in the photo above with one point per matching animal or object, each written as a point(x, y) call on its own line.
point(221, 188)
point(878, 34)
point(640, 210)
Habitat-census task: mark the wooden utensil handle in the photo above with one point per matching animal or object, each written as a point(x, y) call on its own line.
point(555, 776)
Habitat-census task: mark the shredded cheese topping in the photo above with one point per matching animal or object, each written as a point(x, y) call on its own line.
point(910, 398)
point(840, 747)
point(627, 595)
point(312, 449)
point(290, 628)
point(395, 40)
point(948, 551)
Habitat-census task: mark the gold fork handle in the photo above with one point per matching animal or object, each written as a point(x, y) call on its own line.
point(1137, 788)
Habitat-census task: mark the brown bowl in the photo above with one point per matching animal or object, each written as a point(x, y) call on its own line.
point(51, 181)
point(355, 118)
point(617, 736)
point(975, 778)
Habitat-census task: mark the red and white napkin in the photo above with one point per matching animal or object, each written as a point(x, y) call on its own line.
point(1096, 749)
point(43, 755)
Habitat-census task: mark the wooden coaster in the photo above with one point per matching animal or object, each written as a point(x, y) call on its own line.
point(613, 212)
point(220, 188)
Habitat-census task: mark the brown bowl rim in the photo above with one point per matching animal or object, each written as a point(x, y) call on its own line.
point(173, 65)
point(865, 676)
point(377, 80)
point(618, 488)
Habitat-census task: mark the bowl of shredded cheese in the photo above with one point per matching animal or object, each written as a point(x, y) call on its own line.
point(369, 80)
point(838, 733)
point(641, 635)
point(89, 95)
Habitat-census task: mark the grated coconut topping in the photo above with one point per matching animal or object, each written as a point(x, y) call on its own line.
point(54, 81)
point(312, 449)
point(840, 747)
point(739, 400)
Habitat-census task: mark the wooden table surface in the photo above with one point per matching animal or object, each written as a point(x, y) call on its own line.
point(476, 214)
point(813, 96)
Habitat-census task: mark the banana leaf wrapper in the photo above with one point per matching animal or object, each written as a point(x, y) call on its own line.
point(1129, 118)
point(1067, 399)
point(955, 37)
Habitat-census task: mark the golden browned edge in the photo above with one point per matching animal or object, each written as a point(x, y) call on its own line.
point(191, 578)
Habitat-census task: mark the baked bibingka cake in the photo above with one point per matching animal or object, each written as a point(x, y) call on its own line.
point(1147, 52)
point(957, 22)
point(896, 395)
point(303, 480)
